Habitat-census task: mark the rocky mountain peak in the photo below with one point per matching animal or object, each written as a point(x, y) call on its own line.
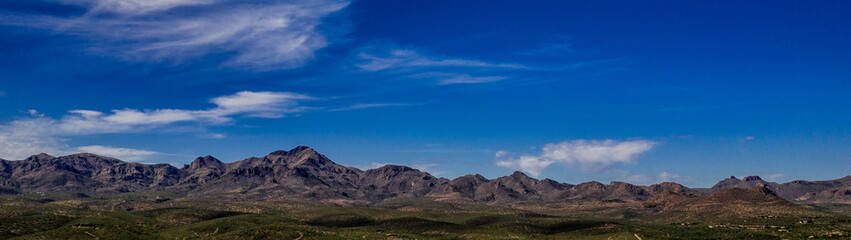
point(206, 162)
point(752, 178)
point(40, 156)
point(394, 168)
point(301, 149)
point(594, 185)
point(519, 174)
point(470, 179)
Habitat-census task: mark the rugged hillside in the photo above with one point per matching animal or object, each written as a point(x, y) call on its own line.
point(303, 173)
point(832, 195)
point(394, 181)
point(300, 172)
point(746, 183)
point(798, 190)
point(736, 202)
point(84, 173)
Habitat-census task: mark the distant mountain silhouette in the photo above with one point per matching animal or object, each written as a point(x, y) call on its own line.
point(302, 173)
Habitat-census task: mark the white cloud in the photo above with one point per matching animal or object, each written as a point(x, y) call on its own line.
point(596, 152)
point(533, 165)
point(23, 137)
point(250, 104)
point(500, 154)
point(259, 104)
point(669, 177)
point(464, 78)
point(589, 155)
point(254, 101)
point(777, 177)
point(126, 154)
point(374, 105)
point(86, 113)
point(449, 78)
point(401, 58)
point(431, 168)
point(257, 35)
point(440, 69)
point(135, 6)
point(34, 113)
point(637, 179)
point(154, 117)
point(216, 136)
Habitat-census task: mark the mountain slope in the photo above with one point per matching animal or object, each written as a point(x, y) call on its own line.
point(738, 202)
point(303, 173)
point(798, 190)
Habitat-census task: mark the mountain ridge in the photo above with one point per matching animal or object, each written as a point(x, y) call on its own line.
point(304, 173)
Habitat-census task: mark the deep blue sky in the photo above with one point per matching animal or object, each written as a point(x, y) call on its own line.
point(575, 91)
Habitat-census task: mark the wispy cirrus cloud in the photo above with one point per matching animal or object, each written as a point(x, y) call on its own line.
point(245, 103)
point(22, 138)
point(467, 79)
point(588, 155)
point(777, 177)
point(126, 154)
point(437, 69)
point(263, 35)
point(375, 105)
point(450, 78)
point(40, 133)
point(404, 58)
point(669, 177)
point(441, 70)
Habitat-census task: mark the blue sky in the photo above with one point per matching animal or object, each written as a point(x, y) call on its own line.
point(641, 92)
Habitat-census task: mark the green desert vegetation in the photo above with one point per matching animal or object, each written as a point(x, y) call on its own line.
point(153, 216)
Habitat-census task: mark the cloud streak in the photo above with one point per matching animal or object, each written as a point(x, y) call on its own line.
point(374, 105)
point(246, 103)
point(588, 155)
point(403, 58)
point(256, 35)
point(467, 79)
point(39, 133)
point(439, 69)
point(126, 154)
point(22, 138)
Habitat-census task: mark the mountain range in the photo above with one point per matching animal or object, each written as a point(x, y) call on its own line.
point(303, 173)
